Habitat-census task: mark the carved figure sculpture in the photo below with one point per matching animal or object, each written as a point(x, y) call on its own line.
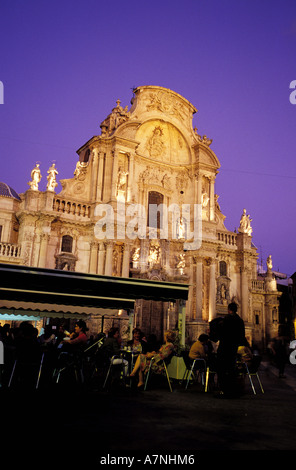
point(52, 182)
point(245, 224)
point(181, 263)
point(36, 178)
point(154, 253)
point(269, 263)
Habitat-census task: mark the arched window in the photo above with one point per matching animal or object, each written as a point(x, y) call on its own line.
point(154, 212)
point(67, 244)
point(223, 268)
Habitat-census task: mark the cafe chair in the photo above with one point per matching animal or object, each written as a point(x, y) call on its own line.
point(165, 363)
point(119, 367)
point(211, 372)
point(22, 371)
point(194, 368)
point(70, 362)
point(251, 370)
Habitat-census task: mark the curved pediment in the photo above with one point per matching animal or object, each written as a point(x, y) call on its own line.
point(163, 104)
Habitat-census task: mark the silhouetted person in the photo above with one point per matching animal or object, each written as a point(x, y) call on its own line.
point(232, 335)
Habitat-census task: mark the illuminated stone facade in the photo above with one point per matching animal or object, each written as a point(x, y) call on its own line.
point(146, 154)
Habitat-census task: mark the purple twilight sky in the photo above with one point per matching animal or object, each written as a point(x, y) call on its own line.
point(63, 65)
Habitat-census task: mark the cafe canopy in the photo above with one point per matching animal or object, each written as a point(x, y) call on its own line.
point(40, 292)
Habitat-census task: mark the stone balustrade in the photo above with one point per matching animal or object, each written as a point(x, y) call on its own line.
point(227, 238)
point(10, 250)
point(258, 285)
point(71, 207)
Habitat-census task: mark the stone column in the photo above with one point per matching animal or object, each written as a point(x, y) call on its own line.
point(182, 321)
point(198, 188)
point(109, 259)
point(94, 175)
point(101, 258)
point(114, 175)
point(93, 257)
point(212, 291)
point(244, 294)
point(130, 178)
point(99, 194)
point(199, 282)
point(212, 198)
point(126, 260)
point(44, 239)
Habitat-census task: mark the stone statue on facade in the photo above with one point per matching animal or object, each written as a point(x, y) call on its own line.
point(136, 254)
point(80, 169)
point(204, 198)
point(154, 253)
point(36, 178)
point(52, 182)
point(155, 144)
point(181, 229)
point(181, 263)
point(269, 263)
point(245, 224)
point(118, 116)
point(136, 257)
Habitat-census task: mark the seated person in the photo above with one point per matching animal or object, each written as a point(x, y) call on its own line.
point(244, 353)
point(143, 361)
point(136, 344)
point(111, 347)
point(198, 349)
point(78, 339)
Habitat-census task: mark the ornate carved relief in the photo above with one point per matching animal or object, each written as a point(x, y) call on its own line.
point(155, 143)
point(166, 104)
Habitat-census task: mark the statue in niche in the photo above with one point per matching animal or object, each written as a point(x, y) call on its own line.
point(181, 263)
point(136, 257)
point(121, 183)
point(52, 182)
point(36, 178)
point(204, 198)
point(136, 254)
point(154, 253)
point(155, 144)
point(122, 177)
point(245, 224)
point(181, 228)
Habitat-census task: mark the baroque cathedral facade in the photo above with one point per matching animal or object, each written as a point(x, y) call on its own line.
point(146, 156)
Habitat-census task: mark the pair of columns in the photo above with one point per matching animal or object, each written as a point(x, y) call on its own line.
point(199, 289)
point(244, 291)
point(101, 259)
point(99, 163)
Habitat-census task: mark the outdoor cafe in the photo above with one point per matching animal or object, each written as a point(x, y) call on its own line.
point(31, 293)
